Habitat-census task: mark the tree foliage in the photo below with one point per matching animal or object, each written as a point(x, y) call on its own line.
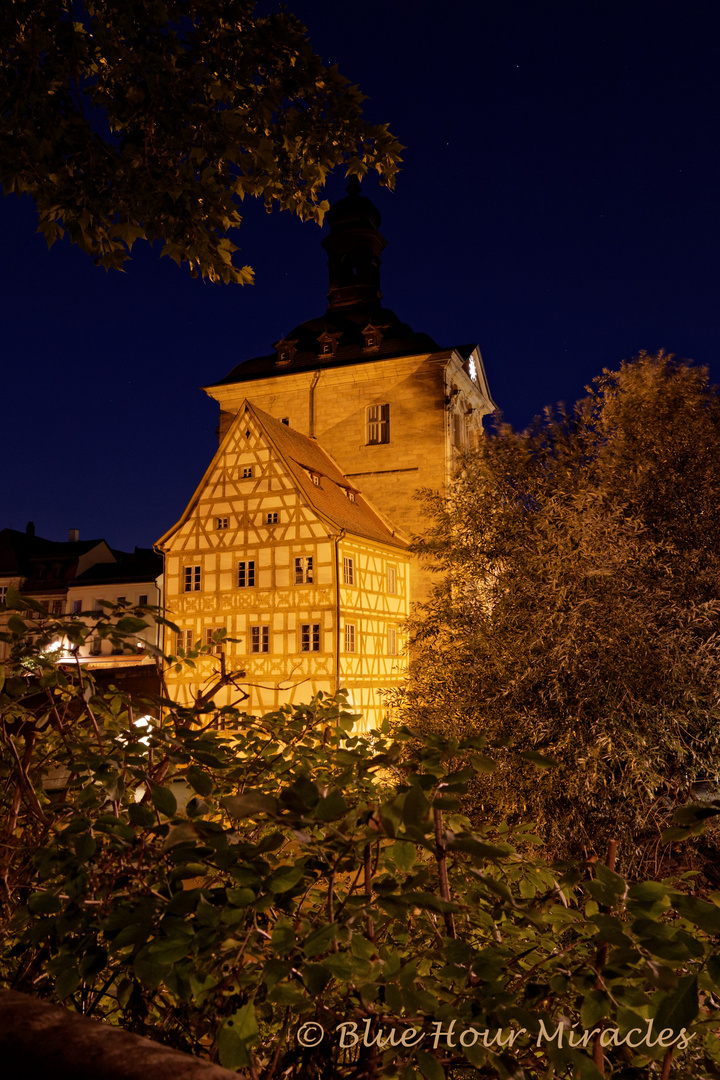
point(232, 884)
point(153, 119)
point(577, 610)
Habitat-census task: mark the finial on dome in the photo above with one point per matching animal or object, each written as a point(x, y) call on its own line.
point(353, 187)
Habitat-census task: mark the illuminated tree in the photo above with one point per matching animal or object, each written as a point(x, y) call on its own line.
point(578, 609)
point(153, 120)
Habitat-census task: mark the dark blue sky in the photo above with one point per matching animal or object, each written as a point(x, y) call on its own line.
point(558, 205)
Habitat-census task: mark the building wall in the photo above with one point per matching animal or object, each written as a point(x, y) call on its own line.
point(424, 394)
point(228, 567)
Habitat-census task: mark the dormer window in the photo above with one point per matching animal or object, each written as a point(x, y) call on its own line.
point(327, 344)
point(285, 351)
point(315, 479)
point(372, 337)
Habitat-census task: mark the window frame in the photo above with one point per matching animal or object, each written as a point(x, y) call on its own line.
point(377, 424)
point(310, 634)
point(192, 577)
point(259, 640)
point(349, 570)
point(303, 572)
point(246, 568)
point(350, 638)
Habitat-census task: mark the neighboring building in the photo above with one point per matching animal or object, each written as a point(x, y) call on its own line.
point(278, 547)
point(389, 404)
point(73, 576)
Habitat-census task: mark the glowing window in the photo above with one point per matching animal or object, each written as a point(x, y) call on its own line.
point(259, 639)
point(304, 570)
point(246, 574)
point(191, 579)
point(310, 637)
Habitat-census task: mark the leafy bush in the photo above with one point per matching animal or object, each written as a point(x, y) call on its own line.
point(233, 884)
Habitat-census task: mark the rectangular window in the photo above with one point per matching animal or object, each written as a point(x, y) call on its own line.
point(247, 472)
point(58, 607)
point(304, 570)
point(271, 518)
point(310, 637)
point(221, 523)
point(246, 574)
point(348, 571)
point(392, 641)
point(184, 641)
point(378, 424)
point(142, 599)
point(391, 579)
point(349, 637)
point(3, 593)
point(96, 645)
point(259, 639)
point(191, 579)
point(76, 607)
point(215, 646)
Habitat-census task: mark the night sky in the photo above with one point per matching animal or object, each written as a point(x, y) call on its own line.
point(558, 205)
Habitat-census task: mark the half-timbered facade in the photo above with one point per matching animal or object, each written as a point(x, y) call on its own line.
point(282, 551)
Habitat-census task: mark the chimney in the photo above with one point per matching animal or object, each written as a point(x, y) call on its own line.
point(74, 536)
point(30, 528)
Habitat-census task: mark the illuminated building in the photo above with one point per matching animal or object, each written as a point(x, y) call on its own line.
point(353, 400)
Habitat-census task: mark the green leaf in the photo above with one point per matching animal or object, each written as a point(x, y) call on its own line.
point(285, 877)
point(199, 780)
point(67, 981)
point(163, 800)
point(403, 854)
point(93, 960)
point(141, 815)
point(44, 903)
point(595, 1006)
point(483, 764)
point(540, 760)
point(250, 804)
point(429, 1066)
point(148, 970)
point(237, 1034)
point(316, 977)
point(679, 1009)
point(320, 940)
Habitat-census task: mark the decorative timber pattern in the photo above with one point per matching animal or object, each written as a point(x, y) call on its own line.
point(280, 549)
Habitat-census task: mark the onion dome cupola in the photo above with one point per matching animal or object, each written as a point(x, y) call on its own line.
point(353, 246)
